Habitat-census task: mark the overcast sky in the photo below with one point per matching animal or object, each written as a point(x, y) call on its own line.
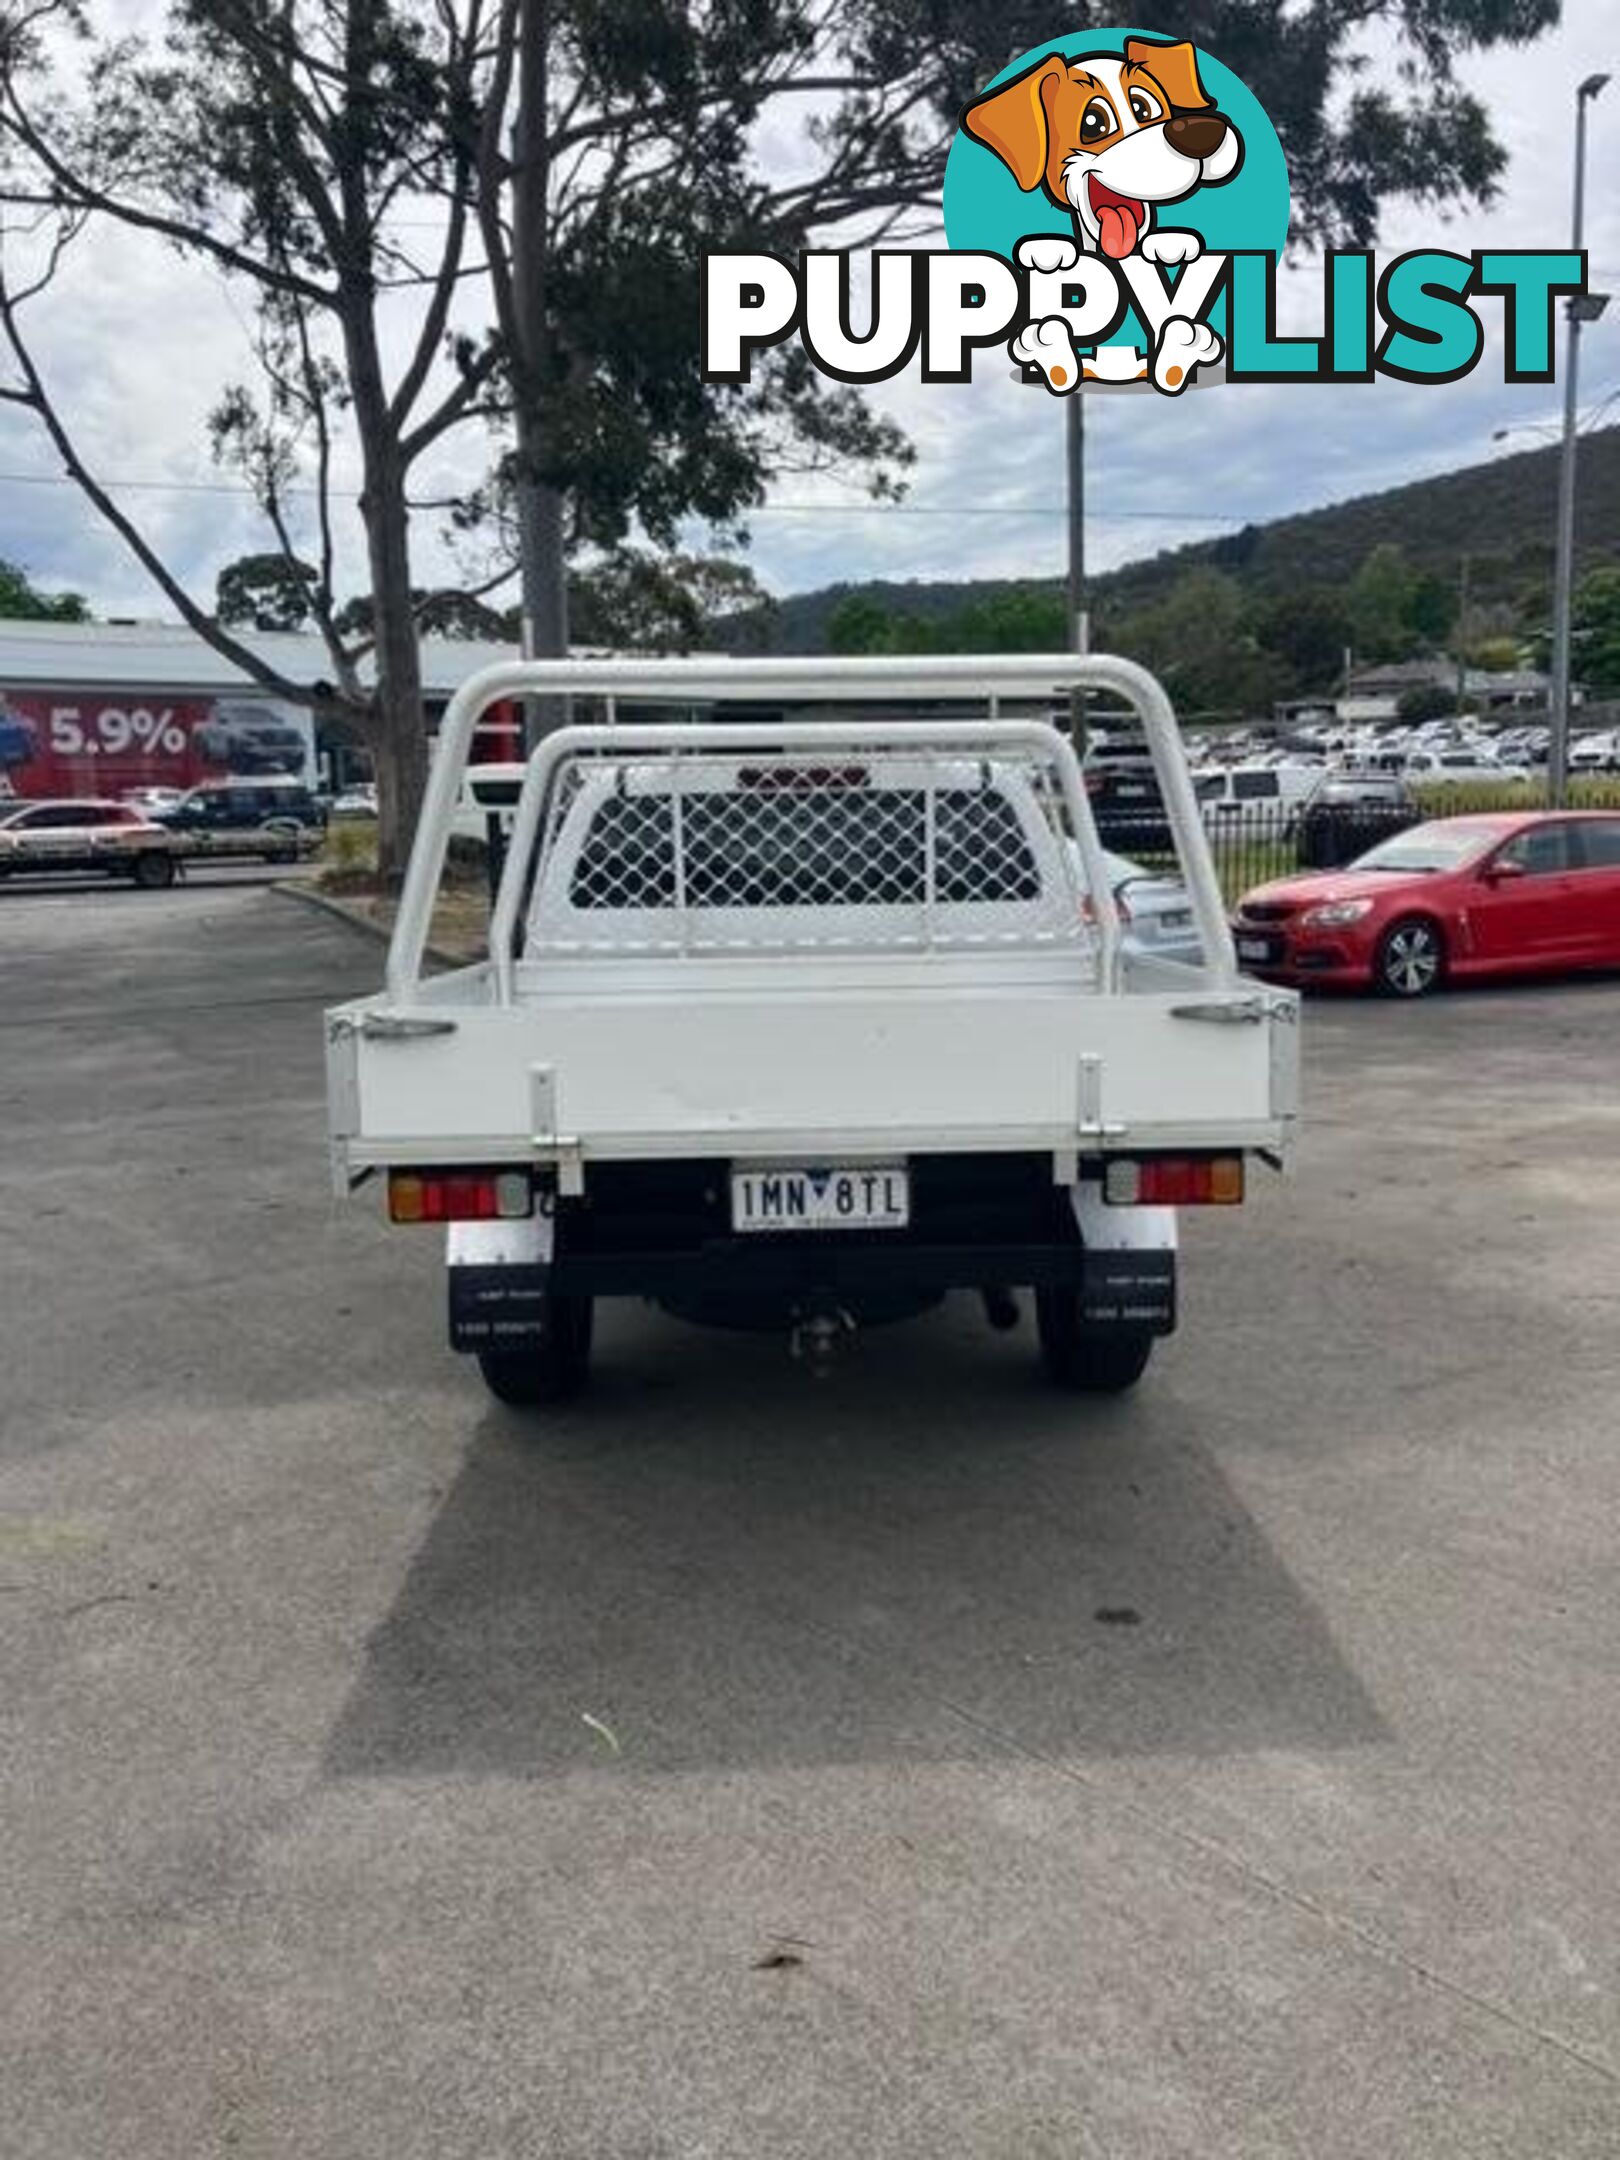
point(139, 347)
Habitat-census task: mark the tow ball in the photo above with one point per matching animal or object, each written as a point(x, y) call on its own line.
point(1000, 1308)
point(816, 1335)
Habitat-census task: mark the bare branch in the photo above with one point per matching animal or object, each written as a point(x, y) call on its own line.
point(38, 398)
point(75, 193)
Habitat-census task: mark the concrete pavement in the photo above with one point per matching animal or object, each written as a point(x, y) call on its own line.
point(915, 1764)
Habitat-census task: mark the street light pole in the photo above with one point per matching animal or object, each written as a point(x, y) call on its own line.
point(1079, 622)
point(1564, 573)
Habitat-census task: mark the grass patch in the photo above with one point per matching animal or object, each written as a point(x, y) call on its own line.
point(347, 862)
point(346, 867)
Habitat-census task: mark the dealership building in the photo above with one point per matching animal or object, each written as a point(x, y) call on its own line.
point(94, 708)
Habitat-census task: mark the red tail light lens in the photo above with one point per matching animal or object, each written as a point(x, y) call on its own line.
point(459, 1195)
point(1175, 1181)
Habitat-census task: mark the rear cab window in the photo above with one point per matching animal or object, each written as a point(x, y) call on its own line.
point(759, 858)
point(793, 848)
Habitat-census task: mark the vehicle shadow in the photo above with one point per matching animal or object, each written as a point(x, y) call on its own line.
point(716, 1563)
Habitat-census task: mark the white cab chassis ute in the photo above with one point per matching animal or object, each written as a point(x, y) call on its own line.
point(801, 1023)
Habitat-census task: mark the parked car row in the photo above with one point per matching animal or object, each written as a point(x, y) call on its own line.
point(1382, 897)
point(1329, 813)
point(1462, 748)
point(150, 845)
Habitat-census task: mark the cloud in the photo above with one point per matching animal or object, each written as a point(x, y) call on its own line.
point(139, 345)
point(987, 495)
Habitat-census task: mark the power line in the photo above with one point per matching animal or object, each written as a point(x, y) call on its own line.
point(164, 487)
point(957, 510)
point(787, 509)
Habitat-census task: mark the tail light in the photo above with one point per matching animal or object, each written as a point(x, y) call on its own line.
point(459, 1195)
point(1175, 1181)
point(1088, 912)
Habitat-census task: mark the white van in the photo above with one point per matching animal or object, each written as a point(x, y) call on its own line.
point(1255, 794)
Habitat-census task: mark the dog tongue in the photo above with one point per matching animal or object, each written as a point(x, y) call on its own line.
point(1118, 224)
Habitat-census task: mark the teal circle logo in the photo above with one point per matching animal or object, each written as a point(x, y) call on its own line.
point(1157, 136)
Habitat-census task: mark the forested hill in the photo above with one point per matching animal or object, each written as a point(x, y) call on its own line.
point(1499, 515)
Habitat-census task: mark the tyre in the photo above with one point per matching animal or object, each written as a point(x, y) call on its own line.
point(153, 870)
point(549, 1370)
point(1411, 958)
point(1087, 1360)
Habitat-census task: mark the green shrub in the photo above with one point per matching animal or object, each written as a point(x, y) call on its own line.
point(1457, 798)
point(466, 862)
point(348, 857)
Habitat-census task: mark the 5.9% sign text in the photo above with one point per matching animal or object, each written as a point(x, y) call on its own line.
point(115, 729)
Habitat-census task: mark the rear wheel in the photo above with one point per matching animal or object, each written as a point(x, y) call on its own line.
point(1411, 958)
point(153, 871)
point(1087, 1360)
point(549, 1369)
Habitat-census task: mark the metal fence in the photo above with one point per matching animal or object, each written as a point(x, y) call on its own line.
point(1251, 842)
point(1255, 842)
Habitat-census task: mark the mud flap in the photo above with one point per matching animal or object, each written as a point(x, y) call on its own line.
point(499, 1276)
point(1130, 1290)
point(1130, 1278)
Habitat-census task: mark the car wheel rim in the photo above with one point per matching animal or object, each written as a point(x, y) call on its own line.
point(1413, 961)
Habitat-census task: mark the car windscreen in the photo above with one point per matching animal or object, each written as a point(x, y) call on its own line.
point(1428, 847)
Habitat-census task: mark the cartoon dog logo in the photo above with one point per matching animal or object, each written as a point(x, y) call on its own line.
point(1111, 139)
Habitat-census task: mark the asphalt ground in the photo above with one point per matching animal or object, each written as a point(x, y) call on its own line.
point(917, 1763)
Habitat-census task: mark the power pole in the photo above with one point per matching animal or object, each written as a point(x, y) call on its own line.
point(1579, 308)
point(1079, 621)
point(543, 581)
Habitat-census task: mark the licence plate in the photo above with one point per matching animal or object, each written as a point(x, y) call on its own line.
point(1254, 948)
point(865, 1196)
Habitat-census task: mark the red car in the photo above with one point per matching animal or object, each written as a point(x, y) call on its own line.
point(1511, 893)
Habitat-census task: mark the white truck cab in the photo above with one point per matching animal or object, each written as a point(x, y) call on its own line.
point(805, 1023)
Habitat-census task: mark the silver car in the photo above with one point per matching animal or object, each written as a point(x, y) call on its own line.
point(1155, 911)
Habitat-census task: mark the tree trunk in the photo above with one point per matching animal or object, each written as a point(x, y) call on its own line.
point(399, 722)
point(545, 573)
point(398, 728)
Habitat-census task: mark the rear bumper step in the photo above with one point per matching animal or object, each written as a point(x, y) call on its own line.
point(489, 1304)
